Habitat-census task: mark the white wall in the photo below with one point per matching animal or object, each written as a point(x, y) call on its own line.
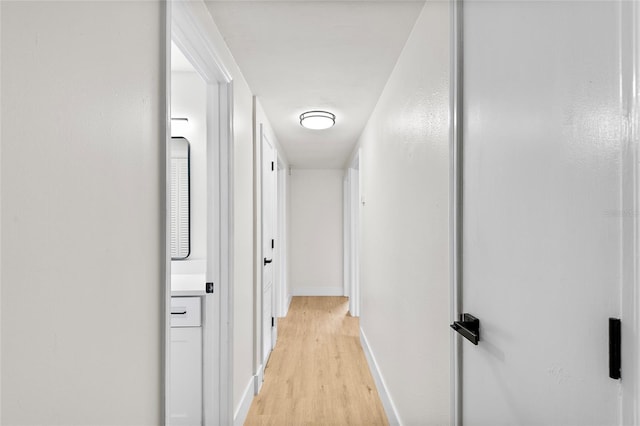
point(189, 100)
point(404, 170)
point(84, 83)
point(316, 232)
point(82, 198)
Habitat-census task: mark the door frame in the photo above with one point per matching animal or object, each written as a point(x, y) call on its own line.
point(455, 203)
point(629, 212)
point(187, 26)
point(346, 233)
point(281, 235)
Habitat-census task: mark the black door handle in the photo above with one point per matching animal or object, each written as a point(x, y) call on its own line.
point(468, 327)
point(615, 353)
point(267, 260)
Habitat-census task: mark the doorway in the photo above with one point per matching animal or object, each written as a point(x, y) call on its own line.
point(204, 281)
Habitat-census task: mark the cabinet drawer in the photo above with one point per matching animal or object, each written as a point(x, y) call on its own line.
point(185, 312)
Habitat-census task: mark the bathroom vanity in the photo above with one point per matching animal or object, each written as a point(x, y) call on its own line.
point(186, 361)
point(186, 349)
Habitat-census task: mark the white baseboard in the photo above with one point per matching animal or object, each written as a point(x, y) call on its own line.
point(288, 305)
point(245, 404)
point(383, 391)
point(258, 379)
point(317, 291)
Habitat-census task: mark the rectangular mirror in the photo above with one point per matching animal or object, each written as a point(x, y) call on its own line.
point(179, 157)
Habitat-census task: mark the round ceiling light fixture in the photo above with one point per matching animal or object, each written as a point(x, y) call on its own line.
point(317, 120)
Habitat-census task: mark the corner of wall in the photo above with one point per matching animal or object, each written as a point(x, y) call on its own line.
point(258, 380)
point(385, 396)
point(288, 305)
point(242, 410)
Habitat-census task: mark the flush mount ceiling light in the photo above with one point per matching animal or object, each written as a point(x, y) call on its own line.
point(317, 120)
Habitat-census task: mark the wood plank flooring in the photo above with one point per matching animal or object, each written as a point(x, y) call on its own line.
point(318, 373)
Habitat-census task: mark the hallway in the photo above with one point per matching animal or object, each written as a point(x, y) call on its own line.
point(317, 373)
point(191, 192)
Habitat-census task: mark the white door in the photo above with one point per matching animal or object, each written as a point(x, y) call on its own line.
point(268, 243)
point(541, 243)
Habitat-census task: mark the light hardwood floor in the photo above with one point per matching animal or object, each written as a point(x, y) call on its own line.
point(318, 373)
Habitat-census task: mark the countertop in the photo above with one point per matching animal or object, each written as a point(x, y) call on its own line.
point(188, 284)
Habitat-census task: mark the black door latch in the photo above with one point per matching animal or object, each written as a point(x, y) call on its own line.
point(468, 327)
point(615, 353)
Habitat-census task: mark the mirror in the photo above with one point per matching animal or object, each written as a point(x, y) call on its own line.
point(179, 157)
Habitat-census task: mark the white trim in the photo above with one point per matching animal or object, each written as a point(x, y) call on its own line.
point(245, 404)
point(317, 291)
point(258, 379)
point(346, 232)
point(355, 203)
point(189, 18)
point(211, 327)
point(165, 381)
point(287, 306)
point(226, 256)
point(455, 206)
point(385, 396)
point(282, 237)
point(630, 185)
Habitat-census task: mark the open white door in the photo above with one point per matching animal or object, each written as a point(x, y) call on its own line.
point(268, 244)
point(540, 258)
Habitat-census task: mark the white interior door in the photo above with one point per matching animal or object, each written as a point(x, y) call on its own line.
point(540, 258)
point(268, 243)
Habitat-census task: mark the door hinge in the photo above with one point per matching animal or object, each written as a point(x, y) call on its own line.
point(273, 322)
point(615, 354)
point(209, 288)
point(273, 243)
point(272, 166)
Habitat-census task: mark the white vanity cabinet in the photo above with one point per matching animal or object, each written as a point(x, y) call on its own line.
point(186, 362)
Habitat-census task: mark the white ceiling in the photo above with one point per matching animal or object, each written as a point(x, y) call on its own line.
point(303, 55)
